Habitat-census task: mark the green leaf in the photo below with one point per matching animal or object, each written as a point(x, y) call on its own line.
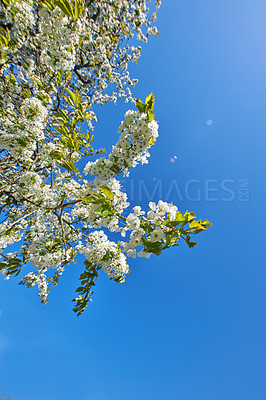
point(62, 115)
point(56, 155)
point(103, 210)
point(61, 129)
point(180, 217)
point(48, 3)
point(107, 192)
point(4, 40)
point(171, 224)
point(120, 279)
point(88, 199)
point(70, 48)
point(75, 97)
point(3, 265)
point(150, 102)
point(189, 243)
point(87, 279)
point(115, 168)
point(39, 83)
point(96, 195)
point(151, 116)
point(69, 165)
point(78, 9)
point(23, 142)
point(66, 7)
point(153, 247)
point(189, 216)
point(152, 141)
point(205, 223)
point(87, 263)
point(168, 240)
point(196, 225)
point(140, 106)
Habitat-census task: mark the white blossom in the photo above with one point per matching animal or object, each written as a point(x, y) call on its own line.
point(56, 66)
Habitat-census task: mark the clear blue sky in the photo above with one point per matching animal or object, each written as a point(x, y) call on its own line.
point(190, 324)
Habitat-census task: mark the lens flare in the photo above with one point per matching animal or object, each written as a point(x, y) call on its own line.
point(172, 159)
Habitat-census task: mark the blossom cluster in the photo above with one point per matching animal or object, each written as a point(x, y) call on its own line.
point(23, 129)
point(57, 60)
point(58, 39)
point(82, 44)
point(156, 232)
point(99, 250)
point(136, 137)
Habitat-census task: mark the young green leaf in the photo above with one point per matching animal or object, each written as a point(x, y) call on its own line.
point(196, 225)
point(140, 106)
point(56, 155)
point(66, 7)
point(150, 102)
point(107, 192)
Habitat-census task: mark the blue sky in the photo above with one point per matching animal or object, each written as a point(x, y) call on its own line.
point(190, 324)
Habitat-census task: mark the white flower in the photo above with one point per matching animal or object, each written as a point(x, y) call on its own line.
point(172, 213)
point(137, 210)
point(132, 253)
point(144, 254)
point(151, 215)
point(152, 206)
point(153, 31)
point(163, 206)
point(157, 235)
point(133, 221)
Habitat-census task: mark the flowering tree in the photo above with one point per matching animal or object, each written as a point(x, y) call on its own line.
point(58, 59)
